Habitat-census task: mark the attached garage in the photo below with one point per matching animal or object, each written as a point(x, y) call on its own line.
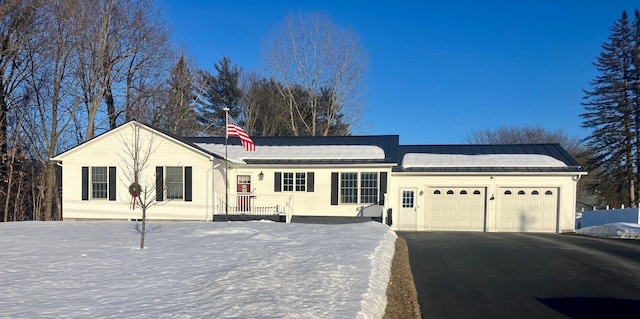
point(527, 209)
point(455, 208)
point(492, 188)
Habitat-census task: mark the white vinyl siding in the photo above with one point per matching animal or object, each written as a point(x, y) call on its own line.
point(552, 212)
point(107, 149)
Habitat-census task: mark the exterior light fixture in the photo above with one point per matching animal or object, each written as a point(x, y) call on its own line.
point(261, 175)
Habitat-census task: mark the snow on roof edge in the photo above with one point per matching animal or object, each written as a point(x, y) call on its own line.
point(429, 160)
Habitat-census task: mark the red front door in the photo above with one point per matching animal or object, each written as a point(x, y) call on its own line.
point(243, 189)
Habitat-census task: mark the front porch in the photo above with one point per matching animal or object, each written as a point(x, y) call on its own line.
point(252, 207)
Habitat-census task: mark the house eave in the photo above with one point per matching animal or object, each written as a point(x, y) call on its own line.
point(566, 171)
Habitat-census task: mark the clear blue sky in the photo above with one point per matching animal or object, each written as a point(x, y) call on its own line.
point(438, 69)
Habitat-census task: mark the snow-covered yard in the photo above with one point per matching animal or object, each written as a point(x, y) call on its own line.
point(613, 230)
point(194, 270)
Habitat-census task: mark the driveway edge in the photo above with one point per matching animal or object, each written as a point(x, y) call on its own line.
point(402, 297)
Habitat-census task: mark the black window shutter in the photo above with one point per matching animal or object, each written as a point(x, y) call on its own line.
point(334, 188)
point(112, 183)
point(277, 182)
point(383, 187)
point(159, 184)
point(187, 183)
point(310, 181)
point(85, 183)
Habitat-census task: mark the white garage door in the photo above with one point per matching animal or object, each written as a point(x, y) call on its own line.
point(527, 209)
point(455, 208)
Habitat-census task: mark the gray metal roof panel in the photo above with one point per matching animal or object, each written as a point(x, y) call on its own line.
point(553, 150)
point(388, 143)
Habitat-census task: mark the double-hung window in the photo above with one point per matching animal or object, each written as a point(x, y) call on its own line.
point(357, 187)
point(368, 187)
point(99, 182)
point(174, 180)
point(349, 188)
point(293, 181)
point(287, 182)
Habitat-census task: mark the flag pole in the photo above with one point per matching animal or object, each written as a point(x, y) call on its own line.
point(226, 162)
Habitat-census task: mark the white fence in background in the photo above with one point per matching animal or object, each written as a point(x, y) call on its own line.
point(607, 216)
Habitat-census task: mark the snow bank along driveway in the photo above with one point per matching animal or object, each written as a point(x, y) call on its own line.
point(194, 270)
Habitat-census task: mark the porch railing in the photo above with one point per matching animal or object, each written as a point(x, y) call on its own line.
point(255, 205)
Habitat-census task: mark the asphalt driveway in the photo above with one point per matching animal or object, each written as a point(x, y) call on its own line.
point(509, 275)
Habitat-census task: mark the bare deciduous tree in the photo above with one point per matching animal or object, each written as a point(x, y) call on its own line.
point(124, 46)
point(538, 134)
point(53, 94)
point(18, 23)
point(309, 51)
point(137, 149)
point(525, 135)
point(264, 107)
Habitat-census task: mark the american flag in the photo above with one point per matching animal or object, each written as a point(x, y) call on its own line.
point(234, 129)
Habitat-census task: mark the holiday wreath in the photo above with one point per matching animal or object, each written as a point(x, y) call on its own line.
point(134, 190)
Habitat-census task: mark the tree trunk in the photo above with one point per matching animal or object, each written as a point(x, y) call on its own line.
point(9, 179)
point(111, 107)
point(142, 230)
point(49, 185)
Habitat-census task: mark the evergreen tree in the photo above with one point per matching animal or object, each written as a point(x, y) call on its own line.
point(267, 113)
point(217, 92)
point(179, 116)
point(611, 112)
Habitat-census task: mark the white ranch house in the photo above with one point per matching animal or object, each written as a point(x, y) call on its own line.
point(493, 188)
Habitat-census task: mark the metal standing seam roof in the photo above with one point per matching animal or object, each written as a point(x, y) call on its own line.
point(393, 152)
point(552, 150)
point(388, 144)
